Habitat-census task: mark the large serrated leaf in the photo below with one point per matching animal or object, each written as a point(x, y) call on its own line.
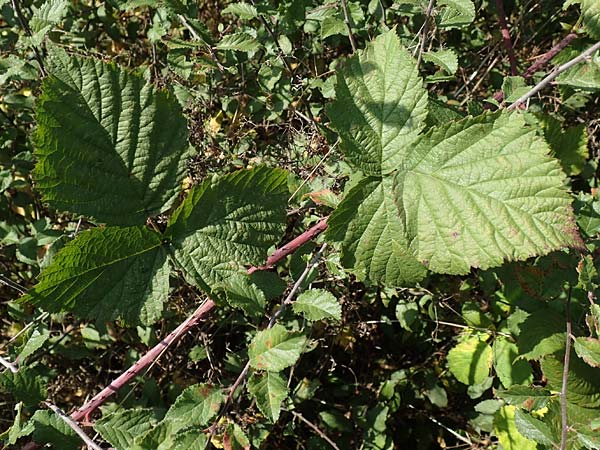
point(380, 105)
point(275, 349)
point(108, 144)
point(582, 384)
point(228, 222)
point(269, 389)
point(106, 274)
point(122, 427)
point(530, 398)
point(375, 245)
point(469, 194)
point(48, 428)
point(534, 429)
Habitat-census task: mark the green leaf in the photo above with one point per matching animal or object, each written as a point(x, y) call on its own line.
point(507, 433)
point(241, 42)
point(369, 223)
point(122, 427)
point(105, 274)
point(27, 385)
point(407, 312)
point(196, 405)
point(588, 275)
point(270, 390)
point(588, 349)
point(35, 342)
point(509, 369)
point(241, 10)
point(541, 333)
point(590, 10)
point(51, 429)
point(513, 88)
point(235, 439)
point(243, 294)
point(161, 437)
point(380, 105)
point(584, 76)
point(470, 361)
point(530, 398)
point(582, 385)
point(108, 144)
point(570, 146)
point(226, 222)
point(44, 18)
point(456, 13)
point(190, 439)
point(446, 59)
point(318, 304)
point(534, 429)
point(468, 194)
point(275, 349)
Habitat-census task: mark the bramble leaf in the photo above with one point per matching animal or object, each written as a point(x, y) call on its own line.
point(588, 349)
point(228, 222)
point(106, 274)
point(109, 145)
point(196, 405)
point(582, 384)
point(506, 430)
point(470, 361)
point(122, 427)
point(380, 105)
point(48, 428)
point(318, 304)
point(269, 389)
point(456, 13)
point(590, 9)
point(534, 429)
point(275, 349)
point(530, 398)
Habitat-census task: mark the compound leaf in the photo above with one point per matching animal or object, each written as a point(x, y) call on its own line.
point(227, 222)
point(109, 145)
point(269, 389)
point(275, 349)
point(380, 105)
point(106, 274)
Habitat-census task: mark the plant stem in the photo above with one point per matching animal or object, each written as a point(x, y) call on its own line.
point(244, 373)
point(555, 73)
point(506, 37)
point(293, 245)
point(315, 429)
point(153, 354)
point(196, 36)
point(565, 378)
point(10, 366)
point(348, 26)
point(25, 26)
point(423, 38)
point(73, 425)
point(542, 61)
point(99, 399)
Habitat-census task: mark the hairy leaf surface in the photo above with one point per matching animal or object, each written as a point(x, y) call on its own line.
point(380, 105)
point(468, 194)
point(228, 222)
point(105, 274)
point(122, 427)
point(108, 144)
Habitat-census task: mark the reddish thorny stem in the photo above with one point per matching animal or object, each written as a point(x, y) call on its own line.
point(99, 399)
point(506, 37)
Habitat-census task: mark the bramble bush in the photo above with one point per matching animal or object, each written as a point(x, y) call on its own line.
point(299, 224)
